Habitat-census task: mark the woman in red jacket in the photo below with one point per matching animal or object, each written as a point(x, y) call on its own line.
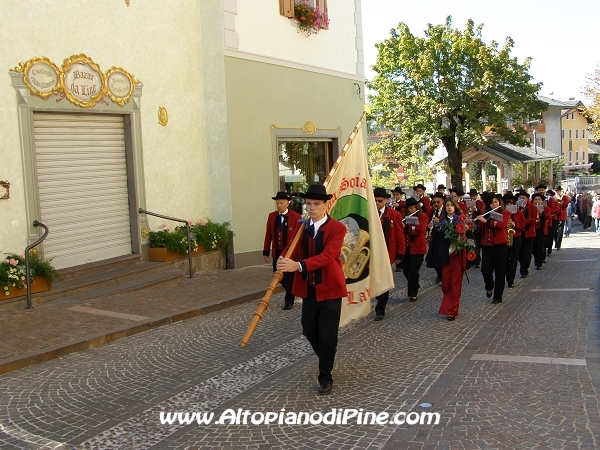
point(493, 240)
point(517, 224)
point(416, 246)
point(542, 224)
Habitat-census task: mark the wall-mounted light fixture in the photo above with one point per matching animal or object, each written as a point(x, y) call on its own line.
point(358, 90)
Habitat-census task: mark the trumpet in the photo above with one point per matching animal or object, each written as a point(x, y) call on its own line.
point(357, 257)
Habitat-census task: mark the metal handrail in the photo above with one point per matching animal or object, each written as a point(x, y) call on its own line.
point(29, 247)
point(187, 229)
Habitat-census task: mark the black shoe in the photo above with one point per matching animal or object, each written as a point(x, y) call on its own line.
point(538, 268)
point(288, 306)
point(488, 294)
point(451, 318)
point(477, 266)
point(325, 389)
point(398, 269)
point(497, 300)
point(511, 285)
point(438, 280)
point(378, 317)
point(412, 299)
point(524, 275)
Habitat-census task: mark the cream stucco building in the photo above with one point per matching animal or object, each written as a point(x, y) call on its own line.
point(190, 108)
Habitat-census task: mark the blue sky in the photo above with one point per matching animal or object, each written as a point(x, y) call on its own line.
point(560, 36)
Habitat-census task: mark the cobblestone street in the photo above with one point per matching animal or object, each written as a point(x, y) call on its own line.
point(521, 374)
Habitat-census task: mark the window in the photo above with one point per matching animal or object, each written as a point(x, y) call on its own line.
point(570, 156)
point(570, 134)
point(543, 142)
point(286, 7)
point(562, 134)
point(570, 146)
point(582, 134)
point(576, 134)
point(303, 163)
point(583, 156)
point(576, 156)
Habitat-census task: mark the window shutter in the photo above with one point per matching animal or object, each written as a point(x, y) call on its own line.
point(322, 5)
point(286, 8)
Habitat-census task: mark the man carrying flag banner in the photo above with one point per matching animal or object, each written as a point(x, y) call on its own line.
point(364, 252)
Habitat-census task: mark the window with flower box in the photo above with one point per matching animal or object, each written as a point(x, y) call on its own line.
point(286, 8)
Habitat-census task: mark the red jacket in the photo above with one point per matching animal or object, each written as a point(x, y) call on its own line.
point(320, 261)
point(519, 219)
point(416, 243)
point(277, 238)
point(554, 208)
point(563, 203)
point(391, 222)
point(493, 232)
point(426, 202)
point(463, 206)
point(530, 215)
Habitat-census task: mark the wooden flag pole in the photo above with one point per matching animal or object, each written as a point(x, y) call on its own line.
point(345, 149)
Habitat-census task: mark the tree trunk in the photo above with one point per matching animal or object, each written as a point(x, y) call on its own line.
point(454, 160)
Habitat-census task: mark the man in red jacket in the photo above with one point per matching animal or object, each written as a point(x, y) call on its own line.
point(563, 203)
point(280, 230)
point(530, 213)
point(542, 225)
point(391, 222)
point(319, 280)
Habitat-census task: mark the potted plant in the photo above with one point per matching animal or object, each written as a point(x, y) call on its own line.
point(211, 235)
point(13, 274)
point(310, 20)
point(168, 244)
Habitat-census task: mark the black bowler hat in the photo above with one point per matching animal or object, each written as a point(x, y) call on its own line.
point(398, 189)
point(550, 192)
point(281, 195)
point(473, 191)
point(419, 186)
point(493, 195)
point(411, 202)
point(380, 192)
point(439, 195)
point(541, 186)
point(538, 194)
point(558, 188)
point(458, 191)
point(509, 197)
point(316, 192)
point(525, 193)
point(441, 186)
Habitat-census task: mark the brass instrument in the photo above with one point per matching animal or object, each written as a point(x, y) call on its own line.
point(510, 232)
point(356, 258)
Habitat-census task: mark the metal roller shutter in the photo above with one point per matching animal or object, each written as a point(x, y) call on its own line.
point(82, 186)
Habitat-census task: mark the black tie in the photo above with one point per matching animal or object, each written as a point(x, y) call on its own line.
point(311, 230)
point(380, 213)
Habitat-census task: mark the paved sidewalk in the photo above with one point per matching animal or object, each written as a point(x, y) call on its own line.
point(54, 329)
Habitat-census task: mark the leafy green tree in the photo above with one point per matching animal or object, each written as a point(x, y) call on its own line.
point(592, 91)
point(450, 86)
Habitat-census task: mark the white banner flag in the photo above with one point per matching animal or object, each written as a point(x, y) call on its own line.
point(364, 253)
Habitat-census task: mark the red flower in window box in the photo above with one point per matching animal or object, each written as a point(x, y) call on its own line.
point(310, 20)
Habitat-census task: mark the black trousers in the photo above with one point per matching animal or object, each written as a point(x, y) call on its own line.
point(558, 236)
point(411, 264)
point(525, 255)
point(287, 281)
point(493, 265)
point(539, 247)
point(550, 237)
point(512, 259)
point(320, 324)
point(381, 303)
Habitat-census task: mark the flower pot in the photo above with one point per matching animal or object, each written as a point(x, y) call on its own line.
point(161, 254)
point(39, 284)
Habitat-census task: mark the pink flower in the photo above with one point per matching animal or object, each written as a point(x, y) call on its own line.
point(164, 225)
point(202, 223)
point(22, 256)
point(190, 222)
point(13, 262)
point(6, 261)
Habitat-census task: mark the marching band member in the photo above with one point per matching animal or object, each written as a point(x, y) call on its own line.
point(553, 204)
point(473, 212)
point(563, 203)
point(319, 279)
point(399, 204)
point(280, 226)
point(493, 240)
point(530, 213)
point(517, 225)
point(391, 222)
point(541, 229)
point(434, 216)
point(458, 194)
point(416, 247)
point(424, 200)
